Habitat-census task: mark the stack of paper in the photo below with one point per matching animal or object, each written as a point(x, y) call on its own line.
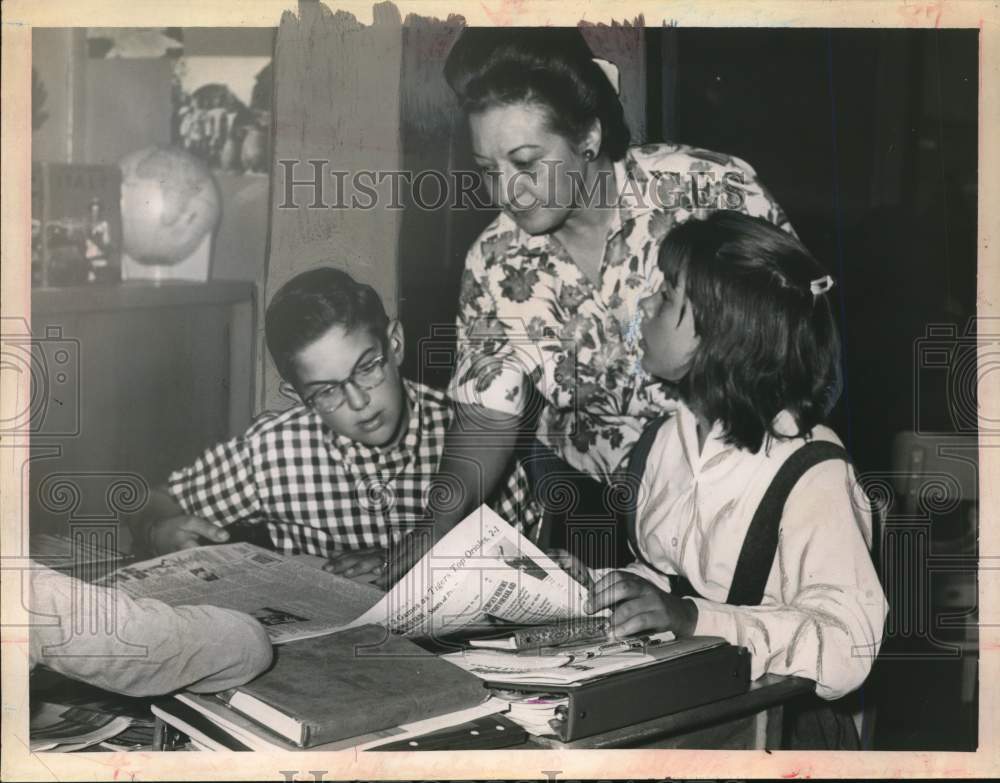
point(61, 728)
point(536, 713)
point(568, 665)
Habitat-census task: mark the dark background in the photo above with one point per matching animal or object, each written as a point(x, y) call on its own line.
point(869, 141)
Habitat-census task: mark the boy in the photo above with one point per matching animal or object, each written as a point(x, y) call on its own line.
point(345, 471)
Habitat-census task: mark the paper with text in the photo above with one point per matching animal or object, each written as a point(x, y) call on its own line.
point(483, 568)
point(291, 596)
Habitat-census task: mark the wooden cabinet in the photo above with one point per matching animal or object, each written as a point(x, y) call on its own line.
point(128, 383)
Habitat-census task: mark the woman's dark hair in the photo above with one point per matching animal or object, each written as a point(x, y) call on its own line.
point(550, 66)
point(305, 308)
point(767, 343)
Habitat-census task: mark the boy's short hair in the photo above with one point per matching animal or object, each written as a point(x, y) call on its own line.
point(309, 304)
point(767, 343)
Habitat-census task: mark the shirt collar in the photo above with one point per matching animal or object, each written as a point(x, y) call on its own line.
point(353, 451)
point(687, 426)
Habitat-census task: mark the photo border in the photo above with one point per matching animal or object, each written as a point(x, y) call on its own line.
point(19, 16)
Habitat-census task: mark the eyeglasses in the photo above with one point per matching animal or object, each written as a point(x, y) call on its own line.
point(333, 394)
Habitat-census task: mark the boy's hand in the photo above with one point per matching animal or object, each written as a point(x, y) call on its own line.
point(358, 562)
point(184, 532)
point(640, 606)
point(572, 565)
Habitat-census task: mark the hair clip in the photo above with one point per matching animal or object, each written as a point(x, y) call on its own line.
point(610, 70)
point(821, 285)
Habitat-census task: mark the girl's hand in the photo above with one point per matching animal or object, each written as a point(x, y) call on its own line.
point(358, 563)
point(640, 606)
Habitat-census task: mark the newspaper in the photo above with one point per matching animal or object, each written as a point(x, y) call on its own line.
point(291, 596)
point(482, 569)
point(65, 728)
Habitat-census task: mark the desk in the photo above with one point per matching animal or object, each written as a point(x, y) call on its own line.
point(750, 720)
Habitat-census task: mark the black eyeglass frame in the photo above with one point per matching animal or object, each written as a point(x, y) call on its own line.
point(375, 363)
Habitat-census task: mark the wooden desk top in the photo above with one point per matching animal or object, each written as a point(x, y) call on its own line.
point(728, 716)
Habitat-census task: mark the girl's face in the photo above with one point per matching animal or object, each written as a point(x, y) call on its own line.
point(527, 167)
point(668, 336)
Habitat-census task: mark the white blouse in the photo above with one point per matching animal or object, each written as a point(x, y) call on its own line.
point(823, 608)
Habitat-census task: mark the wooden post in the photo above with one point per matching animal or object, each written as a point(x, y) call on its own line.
point(336, 101)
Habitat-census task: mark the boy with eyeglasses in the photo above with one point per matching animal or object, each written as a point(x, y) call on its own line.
point(346, 470)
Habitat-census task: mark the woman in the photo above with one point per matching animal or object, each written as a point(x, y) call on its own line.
point(550, 293)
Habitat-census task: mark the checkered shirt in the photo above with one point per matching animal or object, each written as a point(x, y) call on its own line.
point(319, 492)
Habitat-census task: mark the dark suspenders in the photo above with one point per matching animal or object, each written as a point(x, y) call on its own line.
point(761, 543)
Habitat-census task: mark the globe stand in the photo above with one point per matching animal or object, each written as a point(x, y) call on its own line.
point(194, 268)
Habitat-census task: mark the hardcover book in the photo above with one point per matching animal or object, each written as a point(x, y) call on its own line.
point(350, 683)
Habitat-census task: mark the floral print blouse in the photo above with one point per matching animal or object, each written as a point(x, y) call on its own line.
point(529, 315)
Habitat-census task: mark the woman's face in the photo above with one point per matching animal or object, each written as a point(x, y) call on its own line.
point(528, 168)
point(668, 334)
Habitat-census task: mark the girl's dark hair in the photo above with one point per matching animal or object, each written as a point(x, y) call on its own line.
point(550, 66)
point(767, 343)
point(305, 308)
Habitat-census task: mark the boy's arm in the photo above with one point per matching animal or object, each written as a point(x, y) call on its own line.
point(478, 448)
point(477, 456)
point(163, 526)
point(197, 501)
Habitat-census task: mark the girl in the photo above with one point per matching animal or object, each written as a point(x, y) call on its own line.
point(743, 325)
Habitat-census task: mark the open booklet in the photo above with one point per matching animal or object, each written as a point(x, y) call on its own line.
point(482, 570)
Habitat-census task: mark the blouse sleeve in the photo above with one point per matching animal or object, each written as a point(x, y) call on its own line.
point(757, 199)
point(140, 647)
point(824, 609)
point(495, 359)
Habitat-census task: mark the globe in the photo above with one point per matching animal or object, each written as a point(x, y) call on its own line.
point(169, 203)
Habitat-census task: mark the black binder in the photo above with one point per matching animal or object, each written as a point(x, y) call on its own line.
point(637, 695)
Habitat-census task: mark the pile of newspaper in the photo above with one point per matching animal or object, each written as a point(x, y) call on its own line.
point(62, 728)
